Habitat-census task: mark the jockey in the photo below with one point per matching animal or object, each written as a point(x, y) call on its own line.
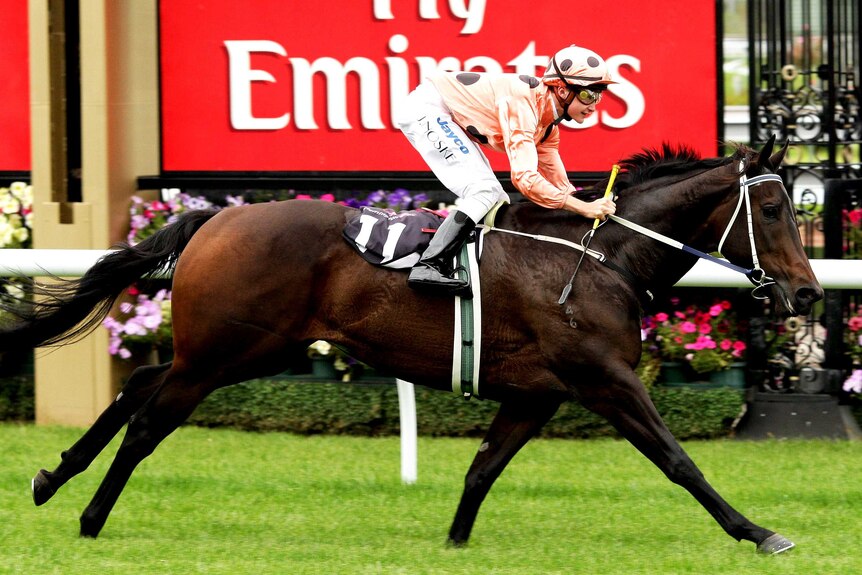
point(450, 113)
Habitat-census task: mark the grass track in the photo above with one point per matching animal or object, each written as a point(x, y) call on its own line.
point(219, 501)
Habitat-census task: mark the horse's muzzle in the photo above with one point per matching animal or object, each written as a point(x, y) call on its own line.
point(790, 302)
point(806, 296)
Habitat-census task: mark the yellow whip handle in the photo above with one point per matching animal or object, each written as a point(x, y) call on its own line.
point(609, 190)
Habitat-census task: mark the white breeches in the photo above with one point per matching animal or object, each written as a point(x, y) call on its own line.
point(454, 158)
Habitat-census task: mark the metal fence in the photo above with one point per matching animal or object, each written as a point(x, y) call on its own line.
point(804, 59)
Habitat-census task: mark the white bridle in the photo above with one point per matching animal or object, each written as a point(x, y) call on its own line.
point(756, 275)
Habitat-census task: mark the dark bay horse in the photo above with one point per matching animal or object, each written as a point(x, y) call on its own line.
point(253, 286)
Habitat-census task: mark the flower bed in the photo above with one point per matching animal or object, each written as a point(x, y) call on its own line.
point(702, 341)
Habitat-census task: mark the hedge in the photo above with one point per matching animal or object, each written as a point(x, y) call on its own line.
point(16, 398)
point(372, 409)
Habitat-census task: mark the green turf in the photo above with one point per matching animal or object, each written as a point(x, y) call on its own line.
point(220, 501)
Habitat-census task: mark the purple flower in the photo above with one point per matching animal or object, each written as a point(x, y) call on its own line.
point(147, 322)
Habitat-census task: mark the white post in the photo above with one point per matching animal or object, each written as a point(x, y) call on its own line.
point(407, 413)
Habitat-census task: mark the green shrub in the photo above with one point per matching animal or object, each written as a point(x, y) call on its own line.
point(16, 398)
point(372, 409)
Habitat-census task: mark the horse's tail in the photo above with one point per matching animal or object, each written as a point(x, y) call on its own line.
point(66, 310)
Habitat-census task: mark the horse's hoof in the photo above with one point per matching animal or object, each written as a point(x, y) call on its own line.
point(775, 544)
point(456, 544)
point(41, 486)
point(90, 528)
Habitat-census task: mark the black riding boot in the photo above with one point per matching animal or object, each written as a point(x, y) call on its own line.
point(435, 269)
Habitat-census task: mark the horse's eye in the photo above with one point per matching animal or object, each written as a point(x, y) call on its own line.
point(770, 212)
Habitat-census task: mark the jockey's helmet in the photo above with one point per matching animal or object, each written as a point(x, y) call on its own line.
point(576, 66)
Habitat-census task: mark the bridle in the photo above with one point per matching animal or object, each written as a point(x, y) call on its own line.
point(756, 275)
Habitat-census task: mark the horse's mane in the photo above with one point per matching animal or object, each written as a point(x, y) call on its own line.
point(654, 163)
point(667, 161)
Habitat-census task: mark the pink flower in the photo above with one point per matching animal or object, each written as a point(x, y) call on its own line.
point(701, 343)
point(661, 317)
point(855, 323)
point(853, 384)
point(716, 310)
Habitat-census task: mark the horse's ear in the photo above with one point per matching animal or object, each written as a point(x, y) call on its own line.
point(778, 157)
point(767, 148)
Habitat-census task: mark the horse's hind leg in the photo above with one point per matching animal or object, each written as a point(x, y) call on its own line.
point(159, 417)
point(626, 404)
point(140, 386)
point(514, 425)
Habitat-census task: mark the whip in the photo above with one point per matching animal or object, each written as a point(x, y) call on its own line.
point(589, 236)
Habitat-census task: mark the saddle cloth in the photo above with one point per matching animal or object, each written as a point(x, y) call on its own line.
point(392, 239)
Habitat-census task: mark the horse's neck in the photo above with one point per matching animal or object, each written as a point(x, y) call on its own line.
point(679, 208)
point(682, 210)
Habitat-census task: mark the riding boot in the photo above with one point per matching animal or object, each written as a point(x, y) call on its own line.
point(435, 270)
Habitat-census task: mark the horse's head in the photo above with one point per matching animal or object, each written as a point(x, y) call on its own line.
point(762, 232)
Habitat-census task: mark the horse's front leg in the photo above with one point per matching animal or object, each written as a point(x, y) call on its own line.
point(515, 423)
point(624, 401)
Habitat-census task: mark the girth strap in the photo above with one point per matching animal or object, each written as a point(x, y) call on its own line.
point(467, 344)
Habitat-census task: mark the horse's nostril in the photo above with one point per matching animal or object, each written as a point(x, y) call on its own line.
point(807, 295)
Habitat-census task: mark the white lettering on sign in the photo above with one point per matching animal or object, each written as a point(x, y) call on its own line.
point(241, 77)
point(626, 91)
point(397, 73)
point(472, 12)
point(336, 92)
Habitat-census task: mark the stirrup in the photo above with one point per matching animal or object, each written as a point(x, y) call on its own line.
point(429, 279)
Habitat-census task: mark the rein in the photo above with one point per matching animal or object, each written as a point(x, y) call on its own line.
point(756, 275)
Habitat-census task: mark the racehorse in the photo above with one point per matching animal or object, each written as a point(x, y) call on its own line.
point(254, 285)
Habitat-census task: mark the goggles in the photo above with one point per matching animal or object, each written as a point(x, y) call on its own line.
point(588, 97)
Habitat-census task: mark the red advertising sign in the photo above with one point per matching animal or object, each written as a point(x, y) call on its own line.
point(288, 86)
point(14, 70)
